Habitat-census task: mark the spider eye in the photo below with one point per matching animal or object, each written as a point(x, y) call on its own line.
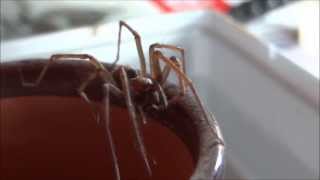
point(173, 58)
point(132, 73)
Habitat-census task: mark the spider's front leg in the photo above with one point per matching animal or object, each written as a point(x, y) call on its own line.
point(157, 56)
point(162, 75)
point(138, 45)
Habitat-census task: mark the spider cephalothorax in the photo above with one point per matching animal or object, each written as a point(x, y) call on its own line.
point(148, 93)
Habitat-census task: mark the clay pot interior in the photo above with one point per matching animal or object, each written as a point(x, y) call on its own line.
point(52, 137)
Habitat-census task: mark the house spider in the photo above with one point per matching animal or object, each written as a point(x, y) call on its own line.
point(140, 90)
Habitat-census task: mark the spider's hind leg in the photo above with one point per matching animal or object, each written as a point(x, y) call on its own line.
point(108, 87)
point(133, 116)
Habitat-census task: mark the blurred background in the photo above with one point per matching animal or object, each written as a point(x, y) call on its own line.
point(257, 65)
point(290, 26)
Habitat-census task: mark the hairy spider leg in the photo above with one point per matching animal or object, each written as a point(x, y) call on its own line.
point(107, 89)
point(133, 117)
point(162, 76)
point(57, 57)
point(159, 56)
point(138, 45)
point(99, 70)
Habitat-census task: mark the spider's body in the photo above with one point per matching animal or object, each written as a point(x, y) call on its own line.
point(148, 94)
point(143, 85)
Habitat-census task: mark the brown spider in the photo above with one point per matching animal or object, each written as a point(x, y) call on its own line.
point(139, 90)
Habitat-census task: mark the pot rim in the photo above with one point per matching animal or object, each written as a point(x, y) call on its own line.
point(209, 150)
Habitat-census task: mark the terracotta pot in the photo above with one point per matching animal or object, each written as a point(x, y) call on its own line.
point(48, 132)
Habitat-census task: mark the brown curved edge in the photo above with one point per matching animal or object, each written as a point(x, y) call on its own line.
point(184, 117)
